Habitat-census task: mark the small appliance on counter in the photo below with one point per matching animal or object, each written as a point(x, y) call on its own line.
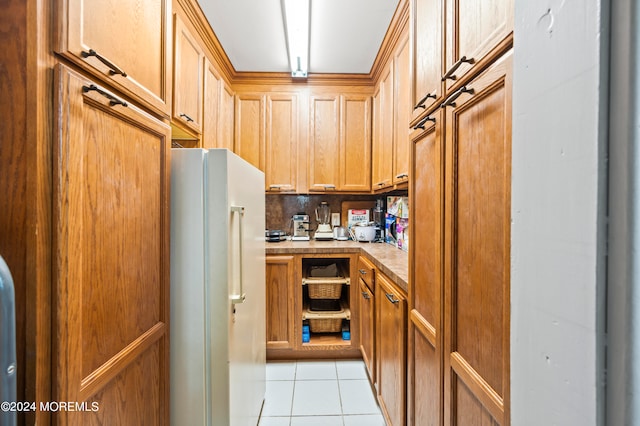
point(274, 236)
point(323, 216)
point(379, 220)
point(300, 227)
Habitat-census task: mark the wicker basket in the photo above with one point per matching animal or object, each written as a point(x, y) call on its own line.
point(325, 325)
point(324, 290)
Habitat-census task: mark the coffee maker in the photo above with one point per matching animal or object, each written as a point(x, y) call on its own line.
point(300, 227)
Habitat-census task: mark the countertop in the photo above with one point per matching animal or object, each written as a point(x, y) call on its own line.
point(392, 261)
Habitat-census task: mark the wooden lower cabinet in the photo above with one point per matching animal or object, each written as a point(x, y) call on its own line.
point(391, 322)
point(367, 328)
point(280, 282)
point(110, 257)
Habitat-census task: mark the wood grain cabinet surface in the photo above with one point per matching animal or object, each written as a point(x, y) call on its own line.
point(401, 113)
point(188, 78)
point(282, 137)
point(425, 339)
point(111, 257)
point(340, 143)
point(477, 249)
point(366, 281)
point(281, 285)
point(130, 51)
point(391, 326)
point(250, 128)
point(382, 164)
point(211, 109)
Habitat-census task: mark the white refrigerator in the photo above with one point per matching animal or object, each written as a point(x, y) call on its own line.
point(217, 336)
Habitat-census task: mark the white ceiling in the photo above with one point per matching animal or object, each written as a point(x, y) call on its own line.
point(345, 34)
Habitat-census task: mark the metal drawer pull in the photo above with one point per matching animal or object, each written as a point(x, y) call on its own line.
point(112, 99)
point(452, 98)
point(391, 298)
point(449, 74)
point(362, 271)
point(402, 175)
point(186, 117)
point(421, 102)
point(114, 68)
point(422, 122)
point(366, 295)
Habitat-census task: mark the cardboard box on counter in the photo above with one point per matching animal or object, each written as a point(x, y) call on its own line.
point(397, 222)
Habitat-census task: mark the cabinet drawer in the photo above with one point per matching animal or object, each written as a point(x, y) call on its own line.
point(366, 271)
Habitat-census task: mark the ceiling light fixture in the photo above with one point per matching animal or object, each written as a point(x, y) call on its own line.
point(296, 14)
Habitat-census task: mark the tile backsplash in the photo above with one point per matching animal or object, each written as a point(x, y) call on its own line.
point(280, 207)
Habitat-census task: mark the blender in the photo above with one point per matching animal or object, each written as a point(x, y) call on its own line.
point(323, 216)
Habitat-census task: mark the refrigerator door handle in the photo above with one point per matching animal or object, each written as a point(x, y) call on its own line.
point(239, 298)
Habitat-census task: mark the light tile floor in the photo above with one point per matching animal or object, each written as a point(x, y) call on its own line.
point(323, 393)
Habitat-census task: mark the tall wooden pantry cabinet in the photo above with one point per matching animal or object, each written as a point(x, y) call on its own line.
point(459, 292)
point(88, 155)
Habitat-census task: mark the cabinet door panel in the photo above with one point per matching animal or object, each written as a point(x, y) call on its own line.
point(477, 251)
point(144, 58)
point(402, 115)
point(324, 145)
point(188, 79)
point(383, 162)
point(225, 117)
point(367, 328)
point(391, 321)
point(281, 172)
point(427, 40)
point(355, 143)
point(249, 120)
point(211, 108)
point(474, 29)
point(280, 279)
point(111, 216)
point(425, 287)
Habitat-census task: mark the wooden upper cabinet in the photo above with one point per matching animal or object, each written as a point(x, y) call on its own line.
point(130, 51)
point(382, 168)
point(477, 33)
point(402, 114)
point(226, 118)
point(355, 143)
point(281, 169)
point(324, 143)
point(426, 39)
point(211, 107)
point(250, 128)
point(187, 78)
point(340, 143)
point(110, 233)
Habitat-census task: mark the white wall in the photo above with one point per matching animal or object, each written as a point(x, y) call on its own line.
point(558, 209)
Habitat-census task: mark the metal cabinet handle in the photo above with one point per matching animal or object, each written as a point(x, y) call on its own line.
point(451, 100)
point(186, 117)
point(240, 297)
point(402, 175)
point(391, 298)
point(365, 295)
point(362, 271)
point(421, 102)
point(450, 75)
point(422, 122)
point(114, 69)
point(112, 99)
